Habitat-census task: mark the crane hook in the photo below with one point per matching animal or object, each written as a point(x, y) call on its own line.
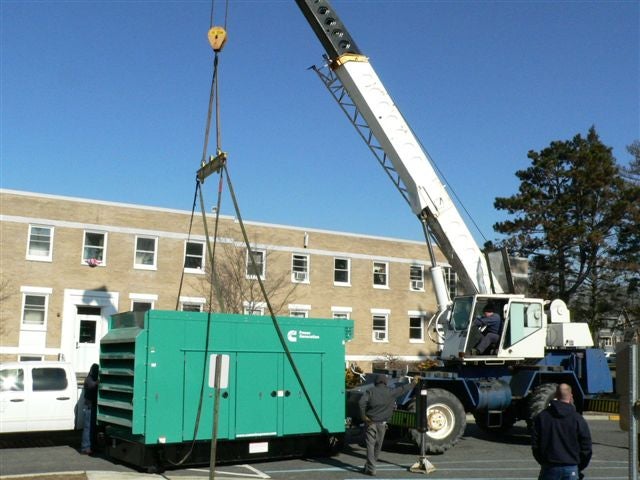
point(217, 38)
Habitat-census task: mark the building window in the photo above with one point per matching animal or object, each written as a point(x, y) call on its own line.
point(94, 249)
point(380, 274)
point(146, 253)
point(194, 257)
point(191, 307)
point(380, 327)
point(451, 279)
point(138, 306)
point(192, 304)
point(341, 271)
point(257, 267)
point(416, 326)
point(300, 268)
point(416, 278)
point(299, 311)
point(341, 313)
point(40, 246)
point(254, 308)
point(35, 302)
point(30, 358)
point(141, 302)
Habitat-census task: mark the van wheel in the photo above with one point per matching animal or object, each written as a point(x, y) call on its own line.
point(446, 421)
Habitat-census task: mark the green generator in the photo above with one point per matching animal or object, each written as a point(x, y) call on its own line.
point(157, 375)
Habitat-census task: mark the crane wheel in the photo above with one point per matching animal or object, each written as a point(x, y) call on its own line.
point(538, 400)
point(446, 420)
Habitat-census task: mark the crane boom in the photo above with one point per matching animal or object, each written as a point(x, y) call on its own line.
point(426, 194)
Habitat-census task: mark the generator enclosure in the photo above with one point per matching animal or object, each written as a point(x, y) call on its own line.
point(157, 380)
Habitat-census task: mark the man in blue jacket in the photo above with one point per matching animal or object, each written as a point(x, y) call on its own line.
point(489, 325)
point(561, 440)
point(376, 407)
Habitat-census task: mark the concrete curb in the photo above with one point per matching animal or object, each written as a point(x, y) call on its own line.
point(614, 417)
point(108, 475)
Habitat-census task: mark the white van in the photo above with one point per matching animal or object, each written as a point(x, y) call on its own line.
point(38, 396)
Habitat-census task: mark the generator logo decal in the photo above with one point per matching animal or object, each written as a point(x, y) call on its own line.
point(294, 335)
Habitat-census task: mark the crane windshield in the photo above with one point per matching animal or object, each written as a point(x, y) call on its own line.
point(461, 313)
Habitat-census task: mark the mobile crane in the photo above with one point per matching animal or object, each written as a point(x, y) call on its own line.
point(538, 345)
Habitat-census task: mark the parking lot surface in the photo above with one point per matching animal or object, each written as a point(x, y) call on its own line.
point(478, 456)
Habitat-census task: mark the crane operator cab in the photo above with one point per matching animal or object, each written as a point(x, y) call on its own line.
point(488, 327)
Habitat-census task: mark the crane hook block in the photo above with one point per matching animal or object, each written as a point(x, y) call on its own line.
point(217, 38)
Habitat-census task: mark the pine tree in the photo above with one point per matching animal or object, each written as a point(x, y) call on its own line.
point(567, 213)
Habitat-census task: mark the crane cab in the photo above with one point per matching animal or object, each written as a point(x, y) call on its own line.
point(527, 327)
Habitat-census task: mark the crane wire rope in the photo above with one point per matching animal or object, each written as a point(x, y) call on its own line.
point(274, 320)
point(213, 99)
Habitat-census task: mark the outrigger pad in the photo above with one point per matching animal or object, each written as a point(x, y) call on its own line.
point(422, 466)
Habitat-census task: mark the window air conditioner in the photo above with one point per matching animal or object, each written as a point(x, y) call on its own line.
point(417, 284)
point(379, 335)
point(300, 276)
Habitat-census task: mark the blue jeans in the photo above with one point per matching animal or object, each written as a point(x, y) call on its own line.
point(559, 472)
point(85, 444)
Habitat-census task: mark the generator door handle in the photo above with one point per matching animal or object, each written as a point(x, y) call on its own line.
point(287, 393)
point(16, 400)
point(274, 393)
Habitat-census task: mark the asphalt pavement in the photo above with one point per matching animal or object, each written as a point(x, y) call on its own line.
point(471, 459)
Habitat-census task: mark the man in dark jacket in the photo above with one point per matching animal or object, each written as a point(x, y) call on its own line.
point(561, 440)
point(376, 407)
point(489, 325)
point(90, 392)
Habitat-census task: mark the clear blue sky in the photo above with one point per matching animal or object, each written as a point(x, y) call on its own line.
point(107, 100)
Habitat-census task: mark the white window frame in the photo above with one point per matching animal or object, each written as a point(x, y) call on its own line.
point(348, 270)
point(203, 258)
point(300, 276)
point(378, 335)
point(249, 308)
point(149, 298)
point(199, 301)
point(35, 292)
point(340, 313)
point(416, 284)
point(249, 264)
point(385, 265)
point(299, 311)
point(413, 314)
point(142, 266)
point(103, 260)
point(40, 258)
point(451, 280)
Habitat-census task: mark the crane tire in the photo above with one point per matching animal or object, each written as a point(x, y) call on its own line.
point(538, 400)
point(446, 420)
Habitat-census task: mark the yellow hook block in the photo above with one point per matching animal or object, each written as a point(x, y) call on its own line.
point(217, 37)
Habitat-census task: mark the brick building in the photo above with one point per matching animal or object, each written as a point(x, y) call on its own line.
point(67, 264)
